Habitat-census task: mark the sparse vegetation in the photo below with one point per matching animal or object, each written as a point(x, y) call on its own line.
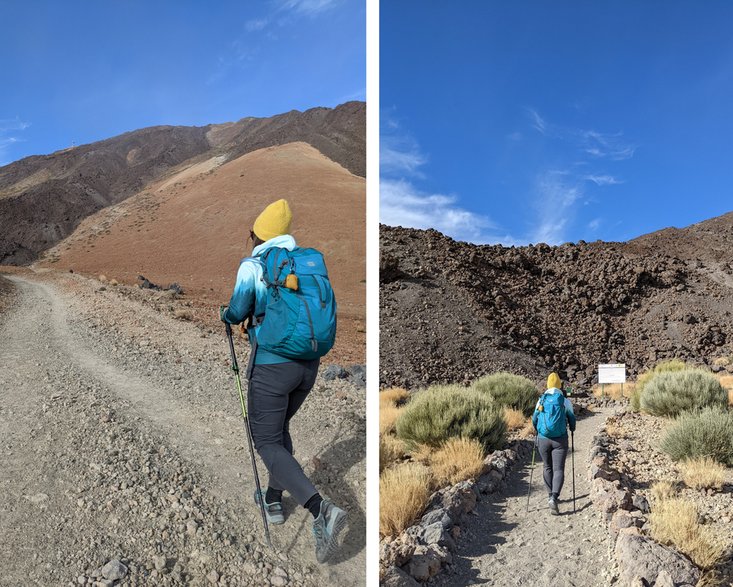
point(615, 391)
point(507, 389)
point(515, 419)
point(662, 490)
point(442, 412)
point(702, 473)
point(457, 460)
point(388, 415)
point(403, 495)
point(674, 522)
point(707, 432)
point(671, 393)
point(391, 450)
point(671, 366)
point(395, 396)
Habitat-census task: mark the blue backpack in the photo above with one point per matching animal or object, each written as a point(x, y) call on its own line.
point(551, 421)
point(300, 315)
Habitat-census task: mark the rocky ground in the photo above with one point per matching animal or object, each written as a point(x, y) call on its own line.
point(501, 541)
point(476, 309)
point(123, 454)
point(634, 452)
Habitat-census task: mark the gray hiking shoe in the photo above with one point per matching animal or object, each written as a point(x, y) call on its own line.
point(273, 511)
point(326, 529)
point(554, 510)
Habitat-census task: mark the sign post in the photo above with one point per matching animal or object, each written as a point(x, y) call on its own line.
point(611, 373)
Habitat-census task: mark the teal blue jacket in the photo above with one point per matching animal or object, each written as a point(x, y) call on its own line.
point(250, 294)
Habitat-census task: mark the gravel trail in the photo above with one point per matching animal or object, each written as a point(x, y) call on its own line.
point(506, 545)
point(120, 438)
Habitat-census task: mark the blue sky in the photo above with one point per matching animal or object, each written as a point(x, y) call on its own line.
point(519, 122)
point(80, 71)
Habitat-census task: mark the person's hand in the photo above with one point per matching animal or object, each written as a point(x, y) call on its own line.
point(222, 311)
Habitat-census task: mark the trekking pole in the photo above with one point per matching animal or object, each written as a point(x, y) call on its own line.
point(529, 489)
point(235, 368)
point(572, 460)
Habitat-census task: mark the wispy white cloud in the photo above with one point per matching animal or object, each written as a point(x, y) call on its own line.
point(598, 144)
point(603, 145)
point(10, 131)
point(402, 204)
point(557, 194)
point(256, 24)
point(309, 7)
point(537, 121)
point(601, 180)
point(400, 155)
point(594, 224)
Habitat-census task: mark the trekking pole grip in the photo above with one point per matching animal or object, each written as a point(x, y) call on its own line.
point(235, 366)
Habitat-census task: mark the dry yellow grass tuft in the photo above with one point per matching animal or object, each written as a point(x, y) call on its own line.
point(394, 396)
point(674, 521)
point(615, 391)
point(727, 382)
point(404, 491)
point(422, 453)
point(103, 278)
point(702, 473)
point(457, 460)
point(391, 450)
point(514, 418)
point(113, 282)
point(388, 418)
point(663, 490)
point(722, 361)
point(527, 431)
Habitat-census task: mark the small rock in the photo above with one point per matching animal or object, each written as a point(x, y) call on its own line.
point(114, 570)
point(213, 577)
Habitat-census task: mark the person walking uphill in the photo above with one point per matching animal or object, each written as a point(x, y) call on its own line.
point(284, 292)
point(551, 419)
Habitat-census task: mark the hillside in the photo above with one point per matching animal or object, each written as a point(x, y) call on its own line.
point(192, 228)
point(452, 311)
point(44, 198)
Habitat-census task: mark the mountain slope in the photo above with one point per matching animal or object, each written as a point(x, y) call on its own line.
point(43, 198)
point(192, 228)
point(453, 311)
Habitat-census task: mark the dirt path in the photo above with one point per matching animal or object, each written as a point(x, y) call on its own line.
point(121, 438)
point(505, 545)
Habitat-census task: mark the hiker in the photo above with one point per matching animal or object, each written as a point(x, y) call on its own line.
point(279, 384)
point(551, 419)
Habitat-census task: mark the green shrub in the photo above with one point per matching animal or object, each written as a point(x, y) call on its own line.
point(507, 389)
point(635, 399)
point(669, 394)
point(643, 380)
point(702, 433)
point(450, 411)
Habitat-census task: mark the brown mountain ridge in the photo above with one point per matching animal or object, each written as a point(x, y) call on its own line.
point(453, 311)
point(44, 198)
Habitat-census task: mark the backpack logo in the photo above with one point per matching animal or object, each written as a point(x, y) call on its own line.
point(300, 311)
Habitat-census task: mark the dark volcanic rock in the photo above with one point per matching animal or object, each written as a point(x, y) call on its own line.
point(452, 311)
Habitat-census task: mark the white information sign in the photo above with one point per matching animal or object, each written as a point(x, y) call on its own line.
point(612, 373)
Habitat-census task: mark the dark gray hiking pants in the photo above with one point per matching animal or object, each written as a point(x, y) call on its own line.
point(553, 452)
point(275, 394)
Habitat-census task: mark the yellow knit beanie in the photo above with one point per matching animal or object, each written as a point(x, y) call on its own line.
point(553, 381)
point(273, 221)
